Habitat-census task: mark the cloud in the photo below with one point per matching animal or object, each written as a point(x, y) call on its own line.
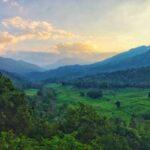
point(40, 29)
point(6, 39)
point(81, 50)
point(29, 30)
point(76, 49)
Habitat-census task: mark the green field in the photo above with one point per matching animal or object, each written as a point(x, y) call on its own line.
point(133, 101)
point(31, 92)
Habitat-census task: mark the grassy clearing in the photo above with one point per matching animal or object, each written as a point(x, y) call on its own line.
point(133, 101)
point(31, 92)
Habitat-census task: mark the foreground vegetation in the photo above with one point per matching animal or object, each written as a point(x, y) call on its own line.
point(34, 122)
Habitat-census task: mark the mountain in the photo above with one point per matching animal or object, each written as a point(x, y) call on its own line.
point(19, 67)
point(134, 58)
point(67, 62)
point(18, 81)
point(128, 54)
point(51, 60)
point(41, 59)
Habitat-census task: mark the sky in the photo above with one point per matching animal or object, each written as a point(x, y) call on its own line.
point(87, 29)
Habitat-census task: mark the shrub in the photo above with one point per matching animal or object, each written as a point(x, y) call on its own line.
point(95, 94)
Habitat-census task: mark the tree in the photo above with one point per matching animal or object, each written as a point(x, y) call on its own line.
point(14, 112)
point(118, 104)
point(82, 94)
point(68, 142)
point(149, 95)
point(95, 94)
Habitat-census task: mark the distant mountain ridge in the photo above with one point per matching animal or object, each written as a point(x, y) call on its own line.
point(19, 67)
point(67, 62)
point(134, 58)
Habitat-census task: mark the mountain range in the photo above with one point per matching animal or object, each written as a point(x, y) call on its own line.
point(134, 58)
point(17, 66)
point(49, 60)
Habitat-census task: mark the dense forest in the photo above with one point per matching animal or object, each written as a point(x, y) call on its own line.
point(119, 79)
point(34, 123)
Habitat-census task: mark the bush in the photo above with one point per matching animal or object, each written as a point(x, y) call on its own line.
point(149, 95)
point(95, 94)
point(82, 94)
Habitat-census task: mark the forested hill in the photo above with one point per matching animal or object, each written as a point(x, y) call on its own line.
point(128, 78)
point(18, 80)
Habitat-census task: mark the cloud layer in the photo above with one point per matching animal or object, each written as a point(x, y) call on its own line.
point(29, 30)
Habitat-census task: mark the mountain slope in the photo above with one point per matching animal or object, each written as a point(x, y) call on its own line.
point(18, 81)
point(128, 54)
point(67, 62)
point(128, 78)
point(20, 67)
point(134, 58)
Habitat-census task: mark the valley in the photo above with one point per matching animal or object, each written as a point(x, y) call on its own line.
point(134, 101)
point(74, 74)
point(83, 106)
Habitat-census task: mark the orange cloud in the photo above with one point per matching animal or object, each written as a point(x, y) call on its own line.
point(72, 49)
point(84, 51)
point(6, 39)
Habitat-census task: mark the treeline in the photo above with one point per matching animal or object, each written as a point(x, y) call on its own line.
point(121, 79)
point(24, 126)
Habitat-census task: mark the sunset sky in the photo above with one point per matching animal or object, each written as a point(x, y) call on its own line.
point(73, 27)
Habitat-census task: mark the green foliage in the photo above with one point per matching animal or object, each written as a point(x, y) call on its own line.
point(110, 142)
point(9, 141)
point(138, 78)
point(118, 104)
point(133, 100)
point(68, 142)
point(88, 126)
point(149, 95)
point(43, 103)
point(14, 113)
point(31, 124)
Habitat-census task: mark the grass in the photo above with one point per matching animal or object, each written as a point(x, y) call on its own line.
point(31, 92)
point(133, 101)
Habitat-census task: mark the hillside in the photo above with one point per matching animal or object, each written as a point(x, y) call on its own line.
point(119, 79)
point(67, 62)
point(134, 58)
point(19, 67)
point(18, 81)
